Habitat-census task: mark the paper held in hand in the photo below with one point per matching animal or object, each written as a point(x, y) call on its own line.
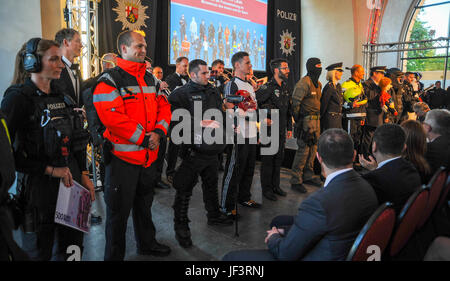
point(73, 208)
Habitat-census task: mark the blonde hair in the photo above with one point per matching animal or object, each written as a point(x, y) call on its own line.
point(331, 76)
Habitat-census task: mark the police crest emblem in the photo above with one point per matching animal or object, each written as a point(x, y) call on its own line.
point(287, 42)
point(131, 13)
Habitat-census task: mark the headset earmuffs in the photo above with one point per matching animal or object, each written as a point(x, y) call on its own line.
point(31, 60)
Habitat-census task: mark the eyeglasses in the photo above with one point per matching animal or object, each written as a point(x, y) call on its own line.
point(287, 67)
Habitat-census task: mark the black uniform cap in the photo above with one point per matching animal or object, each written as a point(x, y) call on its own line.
point(394, 72)
point(335, 66)
point(381, 69)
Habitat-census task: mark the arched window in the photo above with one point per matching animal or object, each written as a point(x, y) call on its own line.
point(428, 26)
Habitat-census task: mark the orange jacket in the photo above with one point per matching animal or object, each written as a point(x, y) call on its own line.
point(132, 111)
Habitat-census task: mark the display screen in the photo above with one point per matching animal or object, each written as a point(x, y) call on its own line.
point(216, 29)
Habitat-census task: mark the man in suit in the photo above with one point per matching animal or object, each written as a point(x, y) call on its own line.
point(175, 80)
point(437, 128)
point(329, 220)
point(70, 44)
point(180, 77)
point(392, 177)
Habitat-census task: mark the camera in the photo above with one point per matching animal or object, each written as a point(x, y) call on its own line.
point(235, 99)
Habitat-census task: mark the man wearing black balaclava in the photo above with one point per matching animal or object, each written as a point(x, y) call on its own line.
point(306, 111)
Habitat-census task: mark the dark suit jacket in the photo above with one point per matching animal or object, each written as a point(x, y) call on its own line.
point(328, 221)
point(394, 182)
point(65, 84)
point(438, 153)
point(173, 80)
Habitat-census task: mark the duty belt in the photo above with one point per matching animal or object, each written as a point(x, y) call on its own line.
point(334, 113)
point(311, 117)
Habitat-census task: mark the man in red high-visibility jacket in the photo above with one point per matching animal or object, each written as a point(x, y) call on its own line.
point(136, 115)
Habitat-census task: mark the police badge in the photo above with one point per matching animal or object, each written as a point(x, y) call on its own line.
point(277, 93)
point(131, 13)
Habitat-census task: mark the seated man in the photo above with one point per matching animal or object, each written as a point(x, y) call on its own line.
point(392, 177)
point(329, 220)
point(437, 128)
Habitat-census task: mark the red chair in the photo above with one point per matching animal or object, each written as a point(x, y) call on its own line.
point(444, 194)
point(377, 231)
point(435, 185)
point(408, 219)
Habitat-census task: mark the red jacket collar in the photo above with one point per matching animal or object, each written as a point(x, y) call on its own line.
point(133, 68)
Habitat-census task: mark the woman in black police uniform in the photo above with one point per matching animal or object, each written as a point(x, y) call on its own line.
point(45, 132)
point(332, 99)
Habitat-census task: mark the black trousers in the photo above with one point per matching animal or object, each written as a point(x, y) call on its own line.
point(159, 163)
point(242, 178)
point(172, 157)
point(366, 140)
point(270, 168)
point(50, 240)
point(128, 187)
point(284, 222)
point(356, 133)
point(186, 177)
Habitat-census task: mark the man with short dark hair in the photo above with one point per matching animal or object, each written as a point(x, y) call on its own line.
point(437, 128)
point(70, 43)
point(393, 178)
point(200, 158)
point(437, 96)
point(247, 151)
point(276, 95)
point(329, 220)
point(136, 115)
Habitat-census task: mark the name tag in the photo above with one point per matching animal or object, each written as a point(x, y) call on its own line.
point(313, 93)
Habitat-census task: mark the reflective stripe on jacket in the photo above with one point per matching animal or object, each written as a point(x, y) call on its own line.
point(130, 110)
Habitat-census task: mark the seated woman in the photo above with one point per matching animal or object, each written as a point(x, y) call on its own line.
point(416, 146)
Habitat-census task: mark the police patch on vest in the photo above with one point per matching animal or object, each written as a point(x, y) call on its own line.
point(53, 106)
point(197, 98)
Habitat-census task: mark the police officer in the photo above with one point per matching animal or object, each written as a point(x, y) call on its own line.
point(332, 99)
point(397, 94)
point(9, 250)
point(375, 114)
point(136, 115)
point(44, 129)
point(354, 105)
point(409, 96)
point(306, 111)
point(201, 158)
point(275, 95)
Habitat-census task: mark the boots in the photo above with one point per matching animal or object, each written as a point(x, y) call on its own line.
point(181, 221)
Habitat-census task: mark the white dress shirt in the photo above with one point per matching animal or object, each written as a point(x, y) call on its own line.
point(387, 161)
point(335, 174)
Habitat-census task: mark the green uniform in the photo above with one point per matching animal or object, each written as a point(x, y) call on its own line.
point(306, 110)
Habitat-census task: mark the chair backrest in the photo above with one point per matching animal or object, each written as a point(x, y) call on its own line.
point(407, 219)
point(435, 185)
point(444, 193)
point(377, 231)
